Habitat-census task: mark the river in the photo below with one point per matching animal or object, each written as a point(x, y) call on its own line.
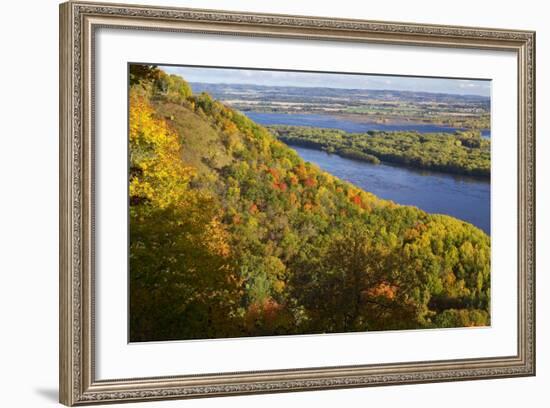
point(334, 122)
point(463, 197)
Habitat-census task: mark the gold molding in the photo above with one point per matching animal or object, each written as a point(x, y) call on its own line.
point(77, 24)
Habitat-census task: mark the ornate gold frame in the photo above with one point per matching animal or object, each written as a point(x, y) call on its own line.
point(78, 22)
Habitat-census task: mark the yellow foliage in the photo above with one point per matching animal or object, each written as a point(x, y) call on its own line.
point(157, 173)
point(217, 238)
point(279, 286)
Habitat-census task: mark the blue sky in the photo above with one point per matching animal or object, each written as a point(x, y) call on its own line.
point(308, 79)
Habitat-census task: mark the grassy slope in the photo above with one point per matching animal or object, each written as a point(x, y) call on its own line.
point(198, 137)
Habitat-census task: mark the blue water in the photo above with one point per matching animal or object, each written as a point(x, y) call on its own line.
point(463, 197)
point(333, 122)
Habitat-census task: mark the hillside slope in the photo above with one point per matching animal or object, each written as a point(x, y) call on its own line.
point(233, 234)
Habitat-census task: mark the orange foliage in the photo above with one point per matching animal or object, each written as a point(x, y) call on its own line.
point(383, 289)
point(293, 198)
point(230, 127)
point(217, 238)
point(293, 179)
point(266, 312)
point(301, 171)
point(275, 173)
point(280, 186)
point(237, 219)
point(253, 209)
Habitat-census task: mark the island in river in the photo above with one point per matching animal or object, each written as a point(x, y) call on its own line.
point(462, 152)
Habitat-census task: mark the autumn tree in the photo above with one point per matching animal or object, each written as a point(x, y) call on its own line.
point(182, 275)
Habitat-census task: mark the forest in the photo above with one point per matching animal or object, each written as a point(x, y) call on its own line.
point(232, 234)
point(464, 152)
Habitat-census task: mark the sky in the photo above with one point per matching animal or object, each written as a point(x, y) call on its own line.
point(309, 79)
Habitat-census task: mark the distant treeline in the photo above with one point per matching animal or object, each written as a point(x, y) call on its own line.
point(463, 152)
point(379, 106)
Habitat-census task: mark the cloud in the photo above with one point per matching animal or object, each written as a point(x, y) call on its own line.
point(316, 79)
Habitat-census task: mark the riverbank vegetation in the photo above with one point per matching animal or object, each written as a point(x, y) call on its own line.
point(232, 234)
point(464, 152)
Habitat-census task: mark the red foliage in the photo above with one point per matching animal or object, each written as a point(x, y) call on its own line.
point(280, 186)
point(265, 313)
point(271, 308)
point(310, 182)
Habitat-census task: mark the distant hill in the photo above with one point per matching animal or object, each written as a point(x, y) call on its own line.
point(222, 90)
point(233, 234)
point(363, 105)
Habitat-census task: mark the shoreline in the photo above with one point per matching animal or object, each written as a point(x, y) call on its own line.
point(393, 164)
point(367, 120)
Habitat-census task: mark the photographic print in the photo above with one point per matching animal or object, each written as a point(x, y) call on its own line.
point(324, 187)
point(265, 202)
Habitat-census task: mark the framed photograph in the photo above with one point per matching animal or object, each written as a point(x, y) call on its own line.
point(256, 203)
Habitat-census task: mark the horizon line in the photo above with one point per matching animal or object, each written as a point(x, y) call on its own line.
point(338, 88)
point(459, 86)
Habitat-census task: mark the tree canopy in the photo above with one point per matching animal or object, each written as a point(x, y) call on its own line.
point(464, 152)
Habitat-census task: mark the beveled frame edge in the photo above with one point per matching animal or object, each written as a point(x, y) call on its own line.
point(78, 20)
